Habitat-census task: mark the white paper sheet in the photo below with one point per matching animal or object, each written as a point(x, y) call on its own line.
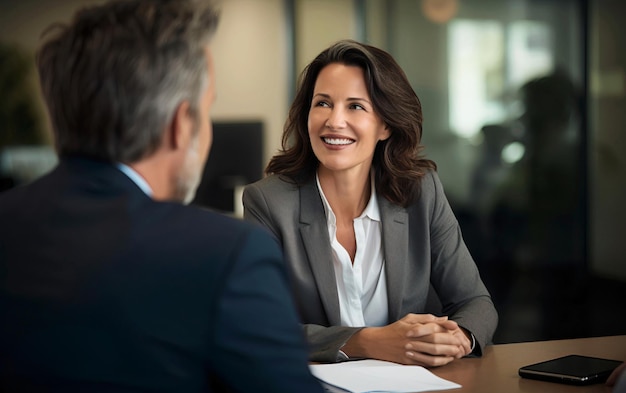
point(365, 376)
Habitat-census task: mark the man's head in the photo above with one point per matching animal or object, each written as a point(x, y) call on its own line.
point(115, 78)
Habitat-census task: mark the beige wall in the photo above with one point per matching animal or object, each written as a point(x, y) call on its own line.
point(249, 49)
point(319, 24)
point(251, 62)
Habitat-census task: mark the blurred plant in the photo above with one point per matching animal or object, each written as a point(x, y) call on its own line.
point(20, 118)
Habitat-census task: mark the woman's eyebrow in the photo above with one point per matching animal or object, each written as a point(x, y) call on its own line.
point(359, 99)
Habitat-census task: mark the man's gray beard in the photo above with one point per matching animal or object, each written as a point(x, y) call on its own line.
point(188, 179)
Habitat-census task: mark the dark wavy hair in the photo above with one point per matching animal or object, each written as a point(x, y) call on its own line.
point(113, 78)
point(398, 165)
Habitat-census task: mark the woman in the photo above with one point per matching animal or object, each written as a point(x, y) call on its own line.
point(363, 220)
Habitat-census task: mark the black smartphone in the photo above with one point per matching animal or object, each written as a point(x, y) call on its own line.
point(571, 369)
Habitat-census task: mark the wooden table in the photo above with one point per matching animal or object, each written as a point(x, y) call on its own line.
point(496, 371)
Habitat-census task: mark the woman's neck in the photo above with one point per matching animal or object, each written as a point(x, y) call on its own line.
point(347, 192)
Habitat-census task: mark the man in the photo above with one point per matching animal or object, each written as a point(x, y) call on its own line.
point(107, 282)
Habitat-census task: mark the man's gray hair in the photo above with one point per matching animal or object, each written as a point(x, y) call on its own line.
point(114, 77)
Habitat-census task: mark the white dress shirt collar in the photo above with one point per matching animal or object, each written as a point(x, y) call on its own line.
point(136, 178)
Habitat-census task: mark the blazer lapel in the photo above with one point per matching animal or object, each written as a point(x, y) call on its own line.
point(314, 232)
point(395, 234)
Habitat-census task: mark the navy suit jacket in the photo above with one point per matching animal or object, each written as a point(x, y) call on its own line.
point(426, 261)
point(103, 289)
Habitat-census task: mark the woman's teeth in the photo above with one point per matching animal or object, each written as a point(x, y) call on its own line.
point(337, 141)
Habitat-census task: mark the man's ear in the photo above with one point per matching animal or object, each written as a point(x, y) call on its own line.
point(181, 127)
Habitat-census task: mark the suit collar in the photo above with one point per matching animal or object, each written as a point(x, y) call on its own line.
point(100, 177)
point(314, 232)
point(395, 224)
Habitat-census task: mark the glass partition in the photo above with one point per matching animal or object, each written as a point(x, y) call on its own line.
point(502, 88)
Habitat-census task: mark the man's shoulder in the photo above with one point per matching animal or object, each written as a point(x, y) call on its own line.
point(191, 215)
point(197, 240)
point(20, 197)
point(209, 225)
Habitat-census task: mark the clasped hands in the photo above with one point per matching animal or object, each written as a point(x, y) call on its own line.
point(420, 339)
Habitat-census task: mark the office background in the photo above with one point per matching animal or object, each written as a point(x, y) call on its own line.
point(524, 114)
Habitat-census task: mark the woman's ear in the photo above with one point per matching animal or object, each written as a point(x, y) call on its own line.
point(385, 133)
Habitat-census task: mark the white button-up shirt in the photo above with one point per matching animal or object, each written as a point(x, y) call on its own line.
point(361, 285)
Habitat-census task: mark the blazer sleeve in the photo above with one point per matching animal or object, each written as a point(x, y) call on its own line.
point(325, 342)
point(454, 274)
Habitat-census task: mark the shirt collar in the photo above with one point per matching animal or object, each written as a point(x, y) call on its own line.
point(136, 178)
point(371, 209)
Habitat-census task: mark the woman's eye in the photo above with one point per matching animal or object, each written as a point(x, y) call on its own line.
point(323, 104)
point(357, 106)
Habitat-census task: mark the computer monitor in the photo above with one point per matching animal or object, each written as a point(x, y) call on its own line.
point(236, 159)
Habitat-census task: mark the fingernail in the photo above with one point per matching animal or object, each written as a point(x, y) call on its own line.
point(409, 354)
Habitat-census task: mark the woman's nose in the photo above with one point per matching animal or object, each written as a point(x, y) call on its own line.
point(336, 119)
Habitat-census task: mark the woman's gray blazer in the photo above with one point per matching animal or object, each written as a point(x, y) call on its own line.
point(423, 251)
